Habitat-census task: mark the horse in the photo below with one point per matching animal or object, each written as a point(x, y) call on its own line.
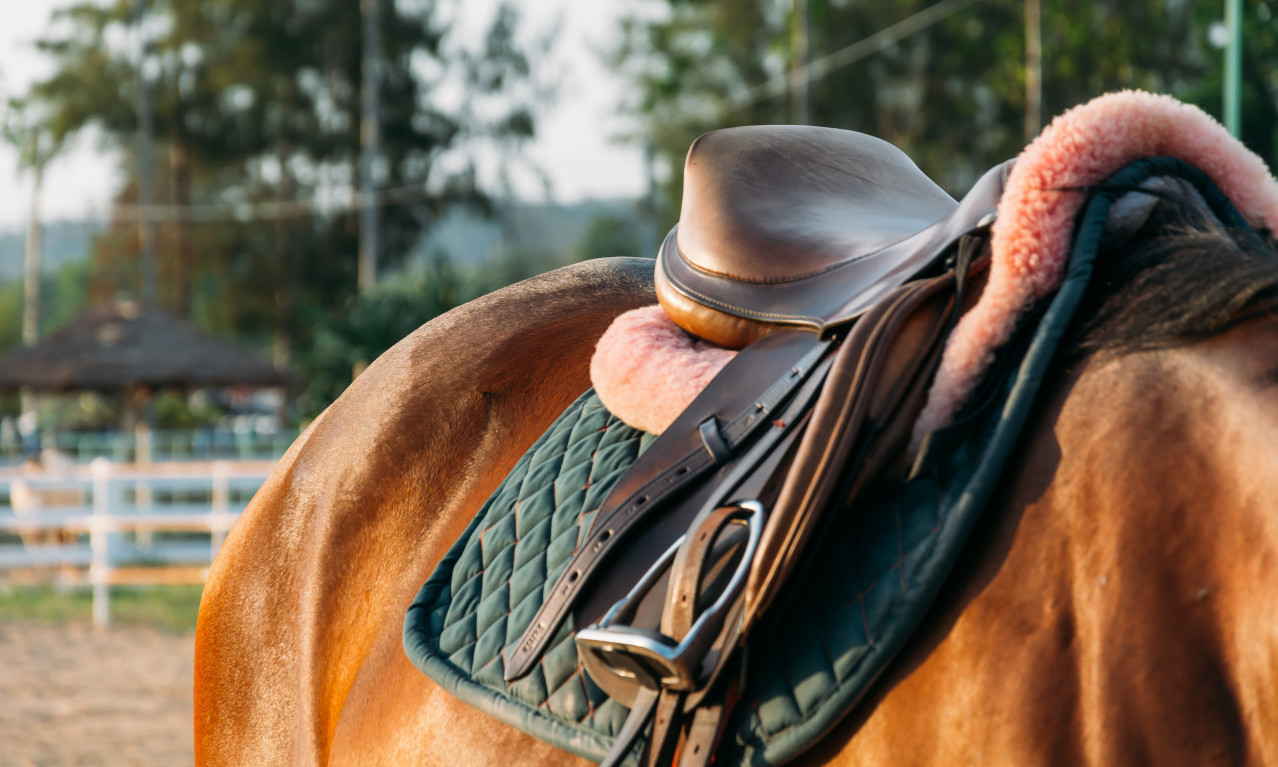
point(1114, 607)
point(1113, 604)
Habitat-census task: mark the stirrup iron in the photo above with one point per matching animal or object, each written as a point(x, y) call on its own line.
point(622, 659)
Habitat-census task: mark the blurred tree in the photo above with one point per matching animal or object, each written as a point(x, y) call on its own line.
point(612, 235)
point(67, 294)
point(37, 145)
point(10, 314)
point(347, 340)
point(947, 85)
point(257, 105)
point(64, 291)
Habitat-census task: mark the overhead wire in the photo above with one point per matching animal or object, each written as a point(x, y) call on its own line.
point(272, 210)
point(266, 210)
point(867, 46)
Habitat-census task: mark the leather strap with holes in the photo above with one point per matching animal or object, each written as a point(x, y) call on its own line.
point(870, 398)
point(745, 395)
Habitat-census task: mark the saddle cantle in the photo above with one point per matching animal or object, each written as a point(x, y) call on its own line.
point(802, 226)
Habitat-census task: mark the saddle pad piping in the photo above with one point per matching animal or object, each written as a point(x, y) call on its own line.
point(1044, 194)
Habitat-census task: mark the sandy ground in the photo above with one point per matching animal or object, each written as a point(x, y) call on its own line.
point(70, 695)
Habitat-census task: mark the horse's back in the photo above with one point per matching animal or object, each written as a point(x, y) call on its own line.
point(1110, 611)
point(303, 607)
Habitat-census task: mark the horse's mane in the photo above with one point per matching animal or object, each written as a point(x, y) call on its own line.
point(1182, 276)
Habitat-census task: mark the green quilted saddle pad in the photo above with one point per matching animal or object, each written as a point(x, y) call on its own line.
point(863, 595)
point(488, 587)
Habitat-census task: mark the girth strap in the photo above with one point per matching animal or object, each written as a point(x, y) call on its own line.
point(703, 734)
point(860, 423)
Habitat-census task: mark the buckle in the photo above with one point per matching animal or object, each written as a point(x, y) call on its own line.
point(622, 659)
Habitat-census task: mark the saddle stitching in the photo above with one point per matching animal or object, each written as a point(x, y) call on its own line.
point(730, 308)
point(788, 278)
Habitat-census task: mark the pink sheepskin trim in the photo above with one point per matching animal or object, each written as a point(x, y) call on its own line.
point(647, 370)
point(1031, 237)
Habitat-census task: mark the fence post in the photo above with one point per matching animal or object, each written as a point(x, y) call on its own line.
point(99, 542)
point(221, 507)
point(142, 488)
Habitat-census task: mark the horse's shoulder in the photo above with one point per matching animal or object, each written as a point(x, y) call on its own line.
point(333, 547)
point(522, 342)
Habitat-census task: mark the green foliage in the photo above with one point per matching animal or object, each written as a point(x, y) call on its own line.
point(172, 410)
point(169, 608)
point(348, 340)
point(86, 411)
point(11, 314)
point(258, 103)
point(63, 295)
point(951, 95)
point(610, 236)
point(34, 140)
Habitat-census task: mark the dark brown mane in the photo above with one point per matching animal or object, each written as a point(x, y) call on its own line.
point(1183, 276)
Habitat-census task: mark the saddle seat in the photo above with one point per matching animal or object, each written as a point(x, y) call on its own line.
point(803, 226)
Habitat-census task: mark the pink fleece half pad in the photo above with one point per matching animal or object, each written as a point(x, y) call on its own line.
point(1034, 229)
point(647, 370)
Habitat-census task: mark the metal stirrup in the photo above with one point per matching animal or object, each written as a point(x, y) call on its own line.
point(622, 659)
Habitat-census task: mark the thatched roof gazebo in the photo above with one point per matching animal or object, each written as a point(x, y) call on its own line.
point(129, 351)
point(127, 346)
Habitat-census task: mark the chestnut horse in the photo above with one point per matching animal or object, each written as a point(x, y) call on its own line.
point(1118, 603)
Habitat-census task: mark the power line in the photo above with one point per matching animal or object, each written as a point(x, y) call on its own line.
point(267, 210)
point(850, 54)
point(274, 210)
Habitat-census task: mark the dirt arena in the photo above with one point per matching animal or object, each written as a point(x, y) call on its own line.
point(70, 695)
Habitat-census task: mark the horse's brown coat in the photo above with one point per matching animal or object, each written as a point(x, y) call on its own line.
point(1118, 606)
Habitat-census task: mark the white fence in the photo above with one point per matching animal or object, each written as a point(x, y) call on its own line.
point(120, 507)
point(160, 445)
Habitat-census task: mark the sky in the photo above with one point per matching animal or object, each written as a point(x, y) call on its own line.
point(574, 146)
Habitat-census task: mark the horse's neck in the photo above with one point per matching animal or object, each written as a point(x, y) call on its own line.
point(1163, 505)
point(1117, 603)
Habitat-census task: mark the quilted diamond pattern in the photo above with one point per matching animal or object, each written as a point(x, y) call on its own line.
point(880, 564)
point(514, 552)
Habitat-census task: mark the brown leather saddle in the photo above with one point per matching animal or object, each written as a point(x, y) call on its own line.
point(838, 267)
point(805, 227)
